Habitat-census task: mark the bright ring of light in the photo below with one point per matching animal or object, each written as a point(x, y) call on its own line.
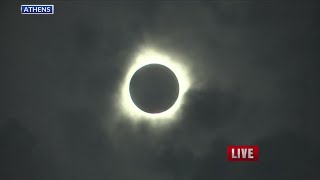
point(152, 57)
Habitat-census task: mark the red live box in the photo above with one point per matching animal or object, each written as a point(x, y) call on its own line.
point(242, 153)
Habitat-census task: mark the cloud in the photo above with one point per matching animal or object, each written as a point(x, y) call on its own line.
point(255, 67)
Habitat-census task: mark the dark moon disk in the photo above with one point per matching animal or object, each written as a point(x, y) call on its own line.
point(154, 88)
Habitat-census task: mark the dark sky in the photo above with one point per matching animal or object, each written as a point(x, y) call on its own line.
point(256, 81)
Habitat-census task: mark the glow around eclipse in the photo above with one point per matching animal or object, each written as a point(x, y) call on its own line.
point(144, 58)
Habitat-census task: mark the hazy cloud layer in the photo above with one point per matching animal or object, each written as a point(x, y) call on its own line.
point(255, 67)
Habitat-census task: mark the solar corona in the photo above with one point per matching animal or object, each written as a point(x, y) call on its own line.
point(155, 66)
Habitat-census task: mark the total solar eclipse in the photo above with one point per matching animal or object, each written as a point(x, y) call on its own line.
point(154, 88)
